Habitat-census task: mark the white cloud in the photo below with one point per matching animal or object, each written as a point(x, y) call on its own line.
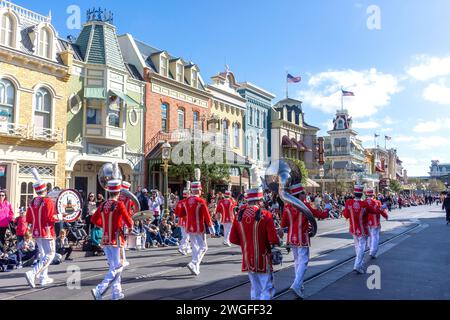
point(430, 143)
point(429, 67)
point(386, 130)
point(373, 90)
point(433, 126)
point(388, 121)
point(437, 92)
point(366, 125)
point(416, 166)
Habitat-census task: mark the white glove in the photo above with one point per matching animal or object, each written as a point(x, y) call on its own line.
point(212, 231)
point(60, 217)
point(328, 207)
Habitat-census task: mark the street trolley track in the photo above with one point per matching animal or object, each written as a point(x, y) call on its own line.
point(131, 268)
point(319, 274)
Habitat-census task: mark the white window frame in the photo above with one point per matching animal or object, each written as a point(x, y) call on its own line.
point(4, 98)
point(164, 67)
point(35, 104)
point(7, 35)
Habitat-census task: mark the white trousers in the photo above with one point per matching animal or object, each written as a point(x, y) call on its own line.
point(199, 248)
point(360, 248)
point(226, 232)
point(184, 243)
point(301, 259)
point(374, 240)
point(46, 254)
point(114, 275)
point(261, 286)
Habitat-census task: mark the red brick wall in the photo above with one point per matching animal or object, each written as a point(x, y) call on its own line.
point(153, 122)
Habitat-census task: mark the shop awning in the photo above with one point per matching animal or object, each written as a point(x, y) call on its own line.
point(95, 93)
point(128, 100)
point(312, 184)
point(297, 145)
point(379, 169)
point(287, 143)
point(307, 149)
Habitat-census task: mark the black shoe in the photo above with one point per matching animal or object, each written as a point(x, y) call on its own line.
point(69, 259)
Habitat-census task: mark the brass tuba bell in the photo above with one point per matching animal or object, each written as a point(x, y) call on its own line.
point(281, 175)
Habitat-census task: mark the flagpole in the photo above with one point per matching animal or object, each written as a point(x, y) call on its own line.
point(287, 85)
point(342, 99)
point(385, 143)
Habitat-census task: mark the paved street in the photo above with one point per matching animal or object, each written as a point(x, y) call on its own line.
point(413, 258)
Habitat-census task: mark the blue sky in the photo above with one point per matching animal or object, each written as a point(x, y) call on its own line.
point(400, 73)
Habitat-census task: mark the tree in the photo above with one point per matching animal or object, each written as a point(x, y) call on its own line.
point(395, 186)
point(302, 167)
point(436, 186)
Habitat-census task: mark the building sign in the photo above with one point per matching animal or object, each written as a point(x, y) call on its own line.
point(105, 151)
point(68, 203)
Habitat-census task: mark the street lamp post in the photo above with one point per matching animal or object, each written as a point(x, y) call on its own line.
point(322, 175)
point(166, 151)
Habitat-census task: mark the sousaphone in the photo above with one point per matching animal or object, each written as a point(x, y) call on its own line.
point(280, 176)
point(111, 171)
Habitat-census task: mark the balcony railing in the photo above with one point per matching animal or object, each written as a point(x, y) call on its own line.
point(25, 13)
point(105, 132)
point(27, 132)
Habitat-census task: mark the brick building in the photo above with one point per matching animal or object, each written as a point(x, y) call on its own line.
point(176, 101)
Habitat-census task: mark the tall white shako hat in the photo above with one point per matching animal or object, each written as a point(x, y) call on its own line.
point(114, 186)
point(370, 192)
point(359, 189)
point(255, 194)
point(297, 189)
point(228, 192)
point(39, 186)
point(196, 186)
point(126, 185)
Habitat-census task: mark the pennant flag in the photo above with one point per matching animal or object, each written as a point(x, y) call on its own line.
point(292, 79)
point(376, 135)
point(347, 93)
point(388, 138)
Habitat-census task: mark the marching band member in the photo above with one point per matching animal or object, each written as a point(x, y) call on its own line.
point(41, 215)
point(225, 208)
point(254, 231)
point(376, 209)
point(197, 215)
point(110, 216)
point(298, 236)
point(131, 209)
point(185, 247)
point(356, 211)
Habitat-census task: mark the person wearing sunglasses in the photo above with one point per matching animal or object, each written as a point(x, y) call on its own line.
point(6, 216)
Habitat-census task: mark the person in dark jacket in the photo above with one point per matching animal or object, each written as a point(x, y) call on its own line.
point(446, 207)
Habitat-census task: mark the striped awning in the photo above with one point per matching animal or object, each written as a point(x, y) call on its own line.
point(128, 100)
point(95, 93)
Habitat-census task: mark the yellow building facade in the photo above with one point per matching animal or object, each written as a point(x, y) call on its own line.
point(34, 71)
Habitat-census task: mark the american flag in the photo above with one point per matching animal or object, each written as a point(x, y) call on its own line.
point(347, 93)
point(388, 138)
point(292, 79)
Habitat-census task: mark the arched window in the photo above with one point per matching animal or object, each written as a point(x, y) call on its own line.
point(225, 127)
point(237, 137)
point(7, 101)
point(164, 117)
point(7, 31)
point(45, 49)
point(181, 117)
point(196, 119)
point(43, 109)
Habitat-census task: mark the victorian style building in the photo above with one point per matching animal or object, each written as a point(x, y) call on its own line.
point(105, 117)
point(291, 136)
point(35, 67)
point(227, 125)
point(257, 126)
point(344, 154)
point(176, 100)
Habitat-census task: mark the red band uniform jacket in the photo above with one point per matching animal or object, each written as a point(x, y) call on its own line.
point(298, 225)
point(41, 214)
point(111, 221)
point(255, 239)
point(225, 208)
point(197, 214)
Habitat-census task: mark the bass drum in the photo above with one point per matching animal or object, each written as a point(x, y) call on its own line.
point(68, 203)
